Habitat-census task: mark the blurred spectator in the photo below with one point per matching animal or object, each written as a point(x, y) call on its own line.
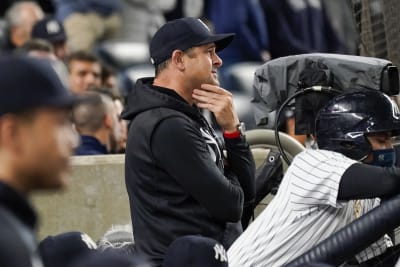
point(62, 249)
point(124, 127)
point(20, 18)
point(36, 142)
point(89, 21)
point(195, 251)
point(142, 18)
point(38, 48)
point(186, 8)
point(298, 27)
point(84, 71)
point(42, 49)
point(246, 20)
point(110, 84)
point(340, 15)
point(52, 30)
point(118, 102)
point(98, 124)
point(46, 5)
point(109, 80)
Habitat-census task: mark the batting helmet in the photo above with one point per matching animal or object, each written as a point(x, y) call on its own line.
point(342, 123)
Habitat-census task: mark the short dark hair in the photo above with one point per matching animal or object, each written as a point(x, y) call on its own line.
point(106, 72)
point(82, 55)
point(89, 115)
point(163, 65)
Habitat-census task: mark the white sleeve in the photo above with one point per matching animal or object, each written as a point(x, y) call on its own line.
point(315, 177)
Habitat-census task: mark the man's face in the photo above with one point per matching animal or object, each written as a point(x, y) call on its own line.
point(29, 15)
point(122, 136)
point(84, 75)
point(45, 143)
point(202, 65)
point(116, 129)
point(60, 50)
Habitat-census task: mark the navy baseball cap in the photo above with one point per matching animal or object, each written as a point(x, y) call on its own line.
point(62, 249)
point(183, 34)
point(195, 251)
point(49, 29)
point(27, 83)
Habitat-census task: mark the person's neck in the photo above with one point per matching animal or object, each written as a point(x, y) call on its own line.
point(176, 85)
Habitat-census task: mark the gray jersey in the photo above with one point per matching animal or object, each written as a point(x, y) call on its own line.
point(304, 212)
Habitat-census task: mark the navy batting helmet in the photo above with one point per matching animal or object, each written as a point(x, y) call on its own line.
point(342, 123)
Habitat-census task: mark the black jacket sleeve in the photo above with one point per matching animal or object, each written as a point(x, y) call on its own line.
point(361, 181)
point(241, 163)
point(180, 149)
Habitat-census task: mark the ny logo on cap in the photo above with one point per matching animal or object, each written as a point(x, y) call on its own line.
point(52, 26)
point(220, 253)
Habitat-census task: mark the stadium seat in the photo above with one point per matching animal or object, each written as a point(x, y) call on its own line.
point(122, 55)
point(262, 140)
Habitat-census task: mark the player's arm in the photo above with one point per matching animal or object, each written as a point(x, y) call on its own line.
point(240, 160)
point(361, 181)
point(241, 163)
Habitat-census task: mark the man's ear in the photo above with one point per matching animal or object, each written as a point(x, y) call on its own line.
point(108, 122)
point(9, 132)
point(178, 60)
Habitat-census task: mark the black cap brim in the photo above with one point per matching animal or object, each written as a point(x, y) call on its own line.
point(221, 40)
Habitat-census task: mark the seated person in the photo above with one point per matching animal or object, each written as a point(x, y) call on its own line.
point(84, 71)
point(52, 31)
point(325, 189)
point(97, 122)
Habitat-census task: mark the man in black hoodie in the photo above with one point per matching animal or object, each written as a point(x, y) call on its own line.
point(178, 179)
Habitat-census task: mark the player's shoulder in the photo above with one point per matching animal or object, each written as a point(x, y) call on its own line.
point(321, 155)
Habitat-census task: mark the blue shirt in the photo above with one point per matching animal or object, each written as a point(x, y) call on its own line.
point(90, 146)
point(299, 28)
point(246, 20)
point(64, 8)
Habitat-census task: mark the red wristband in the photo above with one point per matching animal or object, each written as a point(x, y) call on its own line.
point(231, 135)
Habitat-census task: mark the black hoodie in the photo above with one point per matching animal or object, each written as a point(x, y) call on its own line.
point(175, 174)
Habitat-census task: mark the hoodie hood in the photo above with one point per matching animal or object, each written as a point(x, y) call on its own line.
point(146, 96)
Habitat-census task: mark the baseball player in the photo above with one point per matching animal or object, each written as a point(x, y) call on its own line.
point(325, 189)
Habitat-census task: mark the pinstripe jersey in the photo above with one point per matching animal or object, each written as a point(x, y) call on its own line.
point(304, 212)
